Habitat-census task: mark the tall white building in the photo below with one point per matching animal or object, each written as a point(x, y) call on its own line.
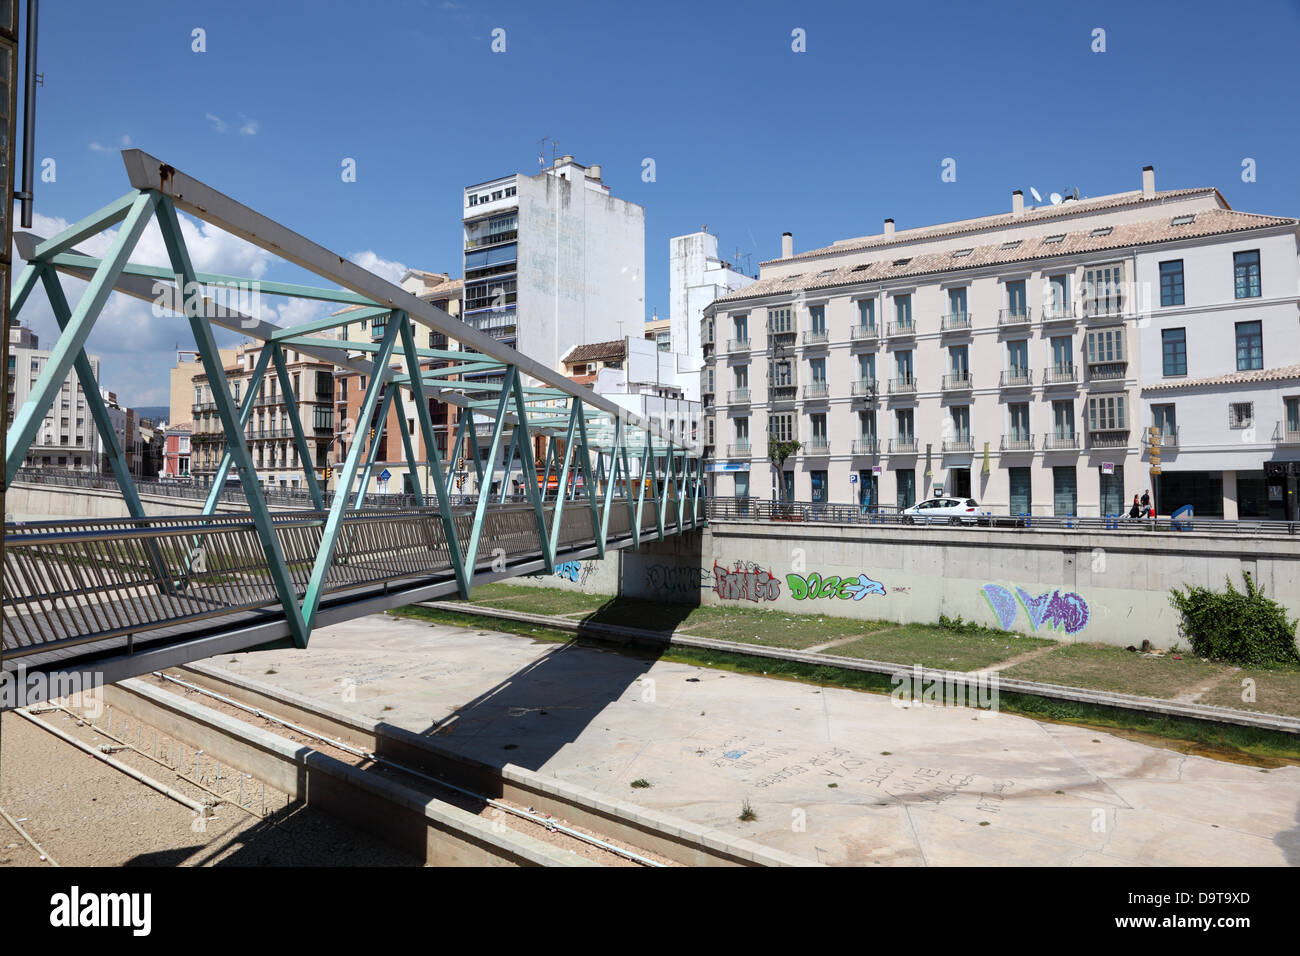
point(67, 438)
point(1020, 359)
point(696, 277)
point(552, 261)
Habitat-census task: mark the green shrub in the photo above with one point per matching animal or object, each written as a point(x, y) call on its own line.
point(1240, 628)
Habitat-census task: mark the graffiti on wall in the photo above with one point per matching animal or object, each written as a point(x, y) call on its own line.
point(1062, 610)
point(832, 586)
point(745, 584)
point(576, 571)
point(672, 579)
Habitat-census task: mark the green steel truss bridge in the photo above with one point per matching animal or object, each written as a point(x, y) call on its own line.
point(121, 597)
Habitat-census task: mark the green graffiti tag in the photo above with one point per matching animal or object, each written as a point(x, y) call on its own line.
point(832, 586)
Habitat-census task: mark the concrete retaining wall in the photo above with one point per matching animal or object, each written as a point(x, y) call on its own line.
point(1108, 587)
point(26, 501)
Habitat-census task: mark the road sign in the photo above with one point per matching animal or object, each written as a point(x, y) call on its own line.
point(385, 475)
point(853, 479)
point(875, 469)
point(1108, 468)
point(1155, 469)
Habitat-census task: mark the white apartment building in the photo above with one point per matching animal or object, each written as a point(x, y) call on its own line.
point(1220, 372)
point(1001, 358)
point(696, 278)
point(67, 439)
point(552, 260)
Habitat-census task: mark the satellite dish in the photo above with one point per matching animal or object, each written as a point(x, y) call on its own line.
point(1034, 192)
point(1056, 199)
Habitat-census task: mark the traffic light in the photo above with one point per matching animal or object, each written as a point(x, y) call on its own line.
point(328, 472)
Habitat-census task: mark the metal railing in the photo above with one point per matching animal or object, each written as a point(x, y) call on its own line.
point(738, 345)
point(816, 390)
point(1017, 443)
point(817, 445)
point(860, 332)
point(1061, 375)
point(1053, 441)
point(863, 388)
point(957, 444)
point(954, 322)
point(1060, 313)
point(956, 381)
point(753, 509)
point(902, 328)
point(902, 386)
point(740, 449)
point(865, 446)
point(1107, 371)
point(902, 446)
point(1016, 378)
point(1013, 317)
point(1286, 435)
point(738, 396)
point(816, 337)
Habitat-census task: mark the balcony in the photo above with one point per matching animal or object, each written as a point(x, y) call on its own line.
point(782, 394)
point(863, 388)
point(1013, 317)
point(1014, 443)
point(1016, 378)
point(738, 396)
point(1060, 313)
point(740, 449)
point(960, 443)
point(956, 382)
point(901, 329)
point(902, 446)
point(1107, 437)
point(866, 446)
point(864, 333)
point(817, 390)
point(1061, 441)
point(902, 386)
point(737, 345)
point(204, 406)
point(490, 239)
point(816, 337)
point(817, 445)
point(955, 322)
point(1165, 439)
point(1107, 371)
point(1061, 375)
point(1287, 433)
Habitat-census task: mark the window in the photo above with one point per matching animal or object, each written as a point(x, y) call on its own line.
point(1105, 346)
point(1018, 356)
point(906, 478)
point(867, 313)
point(903, 310)
point(962, 253)
point(1241, 414)
point(1250, 346)
point(961, 423)
point(1183, 220)
point(817, 319)
point(867, 426)
point(957, 302)
point(781, 426)
point(1016, 298)
point(817, 371)
point(741, 325)
point(959, 361)
point(1245, 267)
point(1106, 413)
point(1101, 231)
point(867, 367)
point(1058, 296)
point(1171, 282)
point(1165, 419)
point(1104, 287)
point(1292, 415)
point(1054, 239)
point(1012, 244)
point(1018, 417)
point(903, 426)
point(1174, 344)
point(903, 365)
point(817, 423)
point(779, 321)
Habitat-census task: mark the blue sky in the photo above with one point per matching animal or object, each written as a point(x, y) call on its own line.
point(748, 136)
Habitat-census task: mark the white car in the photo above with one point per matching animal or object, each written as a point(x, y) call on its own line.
point(942, 511)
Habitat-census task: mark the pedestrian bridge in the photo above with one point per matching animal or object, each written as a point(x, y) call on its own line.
point(122, 596)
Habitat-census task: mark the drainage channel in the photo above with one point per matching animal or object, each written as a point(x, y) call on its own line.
point(503, 814)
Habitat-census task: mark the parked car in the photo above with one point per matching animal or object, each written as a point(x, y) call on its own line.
point(943, 510)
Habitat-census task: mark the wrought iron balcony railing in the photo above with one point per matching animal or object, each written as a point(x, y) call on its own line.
point(1016, 378)
point(863, 388)
point(862, 332)
point(1061, 375)
point(902, 446)
point(1014, 316)
point(902, 386)
point(956, 382)
point(960, 443)
point(955, 322)
point(865, 446)
point(738, 396)
point(1061, 441)
point(816, 337)
point(816, 390)
point(1021, 442)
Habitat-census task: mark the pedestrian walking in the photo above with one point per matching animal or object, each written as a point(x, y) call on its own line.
point(1136, 510)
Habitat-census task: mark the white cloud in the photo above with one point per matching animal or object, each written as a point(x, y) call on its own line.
point(217, 122)
point(248, 126)
point(392, 271)
point(99, 147)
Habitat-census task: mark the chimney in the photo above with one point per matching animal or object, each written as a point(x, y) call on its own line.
point(787, 245)
point(1148, 182)
point(1017, 203)
point(889, 229)
point(593, 172)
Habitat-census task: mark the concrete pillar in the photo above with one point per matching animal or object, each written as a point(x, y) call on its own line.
point(1230, 495)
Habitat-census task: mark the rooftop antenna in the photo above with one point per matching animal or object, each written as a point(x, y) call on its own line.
point(746, 256)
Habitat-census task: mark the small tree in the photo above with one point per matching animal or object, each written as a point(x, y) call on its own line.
point(777, 453)
point(1239, 628)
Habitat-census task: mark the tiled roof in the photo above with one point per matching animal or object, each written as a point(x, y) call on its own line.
point(1208, 222)
point(596, 351)
point(998, 221)
point(1286, 373)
